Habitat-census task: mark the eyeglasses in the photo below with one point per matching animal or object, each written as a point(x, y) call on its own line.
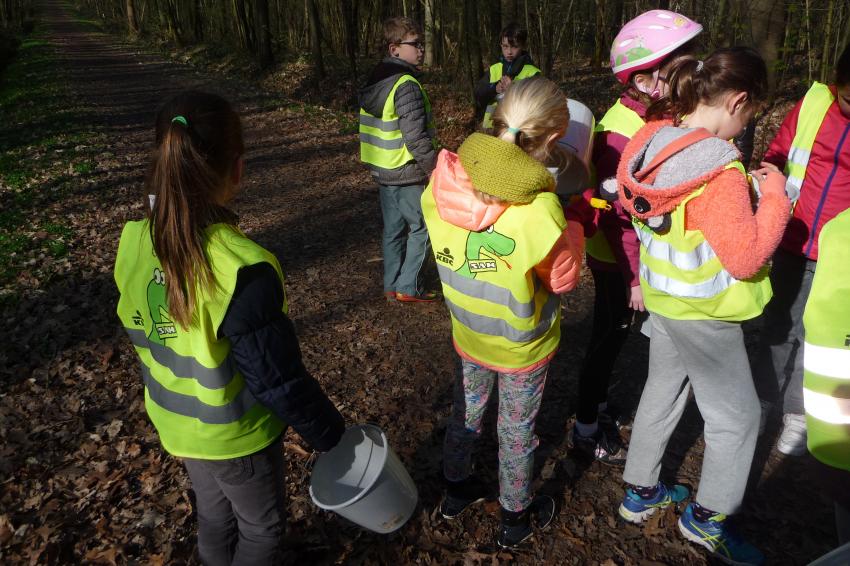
point(417, 44)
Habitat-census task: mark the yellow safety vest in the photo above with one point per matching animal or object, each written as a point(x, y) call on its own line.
point(502, 315)
point(826, 354)
point(496, 71)
point(194, 394)
point(815, 105)
point(381, 142)
point(622, 120)
point(682, 278)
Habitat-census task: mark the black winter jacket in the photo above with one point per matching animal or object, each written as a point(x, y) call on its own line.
point(265, 349)
point(412, 121)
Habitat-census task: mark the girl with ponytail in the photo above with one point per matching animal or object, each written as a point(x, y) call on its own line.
point(641, 56)
point(504, 252)
point(703, 255)
point(206, 312)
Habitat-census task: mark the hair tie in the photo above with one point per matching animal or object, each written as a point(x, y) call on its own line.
point(513, 130)
point(699, 66)
point(180, 119)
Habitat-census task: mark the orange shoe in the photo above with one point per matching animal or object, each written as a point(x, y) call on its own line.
point(389, 296)
point(427, 297)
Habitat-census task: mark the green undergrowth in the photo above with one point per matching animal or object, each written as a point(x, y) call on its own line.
point(43, 155)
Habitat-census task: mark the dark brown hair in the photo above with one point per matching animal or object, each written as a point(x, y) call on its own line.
point(515, 34)
point(189, 177)
point(396, 29)
point(681, 53)
point(842, 67)
point(691, 82)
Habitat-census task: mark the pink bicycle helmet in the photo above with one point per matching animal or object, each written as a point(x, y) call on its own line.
point(646, 40)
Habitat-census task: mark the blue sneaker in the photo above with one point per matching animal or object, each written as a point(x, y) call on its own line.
point(717, 536)
point(636, 509)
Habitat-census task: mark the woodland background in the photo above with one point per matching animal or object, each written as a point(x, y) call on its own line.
point(83, 478)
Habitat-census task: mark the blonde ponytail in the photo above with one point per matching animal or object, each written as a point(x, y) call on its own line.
point(531, 111)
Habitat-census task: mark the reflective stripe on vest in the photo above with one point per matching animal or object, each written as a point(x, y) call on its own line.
point(622, 120)
point(194, 394)
point(502, 315)
point(682, 277)
point(492, 326)
point(815, 105)
point(496, 71)
point(826, 354)
point(381, 142)
point(191, 406)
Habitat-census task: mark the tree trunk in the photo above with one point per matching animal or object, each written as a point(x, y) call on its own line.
point(241, 22)
point(475, 41)
point(809, 54)
point(768, 27)
point(718, 36)
point(132, 23)
point(429, 32)
point(599, 33)
point(263, 35)
point(846, 35)
point(316, 38)
point(825, 66)
point(349, 23)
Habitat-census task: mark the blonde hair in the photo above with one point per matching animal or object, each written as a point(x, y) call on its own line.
point(531, 111)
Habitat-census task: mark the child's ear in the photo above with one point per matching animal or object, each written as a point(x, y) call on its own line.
point(736, 102)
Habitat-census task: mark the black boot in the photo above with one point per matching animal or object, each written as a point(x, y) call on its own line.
point(516, 526)
point(460, 495)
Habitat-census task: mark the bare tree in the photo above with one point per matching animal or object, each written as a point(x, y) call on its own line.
point(316, 38)
point(768, 29)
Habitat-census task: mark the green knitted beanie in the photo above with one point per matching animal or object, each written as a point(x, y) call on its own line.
point(503, 169)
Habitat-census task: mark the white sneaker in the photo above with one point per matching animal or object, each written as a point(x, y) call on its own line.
point(792, 441)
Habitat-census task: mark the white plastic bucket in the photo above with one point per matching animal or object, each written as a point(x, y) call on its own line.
point(364, 481)
point(578, 142)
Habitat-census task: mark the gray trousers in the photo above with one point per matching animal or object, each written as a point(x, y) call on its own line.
point(708, 355)
point(240, 507)
point(405, 242)
point(779, 360)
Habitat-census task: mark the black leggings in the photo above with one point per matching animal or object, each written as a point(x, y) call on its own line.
point(611, 320)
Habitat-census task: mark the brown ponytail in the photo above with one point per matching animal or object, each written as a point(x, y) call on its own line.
point(190, 180)
point(691, 82)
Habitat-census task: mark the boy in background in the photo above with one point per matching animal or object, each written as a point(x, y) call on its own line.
point(397, 143)
point(515, 64)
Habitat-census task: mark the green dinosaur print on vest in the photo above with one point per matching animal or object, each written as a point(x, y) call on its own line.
point(494, 244)
point(162, 326)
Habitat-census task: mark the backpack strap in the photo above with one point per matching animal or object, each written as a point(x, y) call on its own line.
point(672, 149)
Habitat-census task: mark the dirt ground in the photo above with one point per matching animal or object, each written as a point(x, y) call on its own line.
point(82, 476)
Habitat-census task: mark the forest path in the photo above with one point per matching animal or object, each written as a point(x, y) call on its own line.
point(82, 475)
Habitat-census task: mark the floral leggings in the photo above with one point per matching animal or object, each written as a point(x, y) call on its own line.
point(519, 401)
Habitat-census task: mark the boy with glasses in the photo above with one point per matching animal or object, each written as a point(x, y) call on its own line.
point(397, 143)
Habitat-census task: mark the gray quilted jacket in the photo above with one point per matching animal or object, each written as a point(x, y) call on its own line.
point(413, 122)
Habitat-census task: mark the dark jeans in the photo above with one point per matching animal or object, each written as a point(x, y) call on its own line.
point(779, 360)
point(406, 246)
point(240, 507)
point(611, 321)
